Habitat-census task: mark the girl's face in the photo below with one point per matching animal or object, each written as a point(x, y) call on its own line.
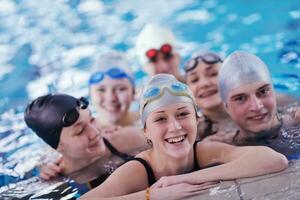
point(172, 129)
point(82, 139)
point(203, 82)
point(253, 107)
point(112, 98)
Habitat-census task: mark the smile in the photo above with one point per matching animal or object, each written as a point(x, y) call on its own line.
point(175, 140)
point(257, 117)
point(207, 93)
point(95, 143)
point(112, 108)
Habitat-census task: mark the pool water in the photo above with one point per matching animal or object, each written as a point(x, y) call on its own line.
point(49, 46)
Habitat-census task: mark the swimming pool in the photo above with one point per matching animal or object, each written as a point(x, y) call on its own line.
point(48, 46)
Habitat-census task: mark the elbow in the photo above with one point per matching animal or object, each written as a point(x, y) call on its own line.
point(282, 162)
point(279, 163)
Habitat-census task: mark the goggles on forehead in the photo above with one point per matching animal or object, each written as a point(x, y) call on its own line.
point(114, 73)
point(72, 115)
point(154, 92)
point(208, 58)
point(165, 49)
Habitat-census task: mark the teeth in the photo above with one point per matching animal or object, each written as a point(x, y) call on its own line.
point(175, 140)
point(206, 94)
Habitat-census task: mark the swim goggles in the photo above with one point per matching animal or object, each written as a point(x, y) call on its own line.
point(115, 73)
point(155, 92)
point(72, 115)
point(206, 57)
point(165, 49)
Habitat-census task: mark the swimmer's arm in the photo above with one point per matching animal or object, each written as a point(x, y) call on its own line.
point(129, 178)
point(239, 162)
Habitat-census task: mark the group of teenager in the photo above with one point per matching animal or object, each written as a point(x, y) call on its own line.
point(218, 121)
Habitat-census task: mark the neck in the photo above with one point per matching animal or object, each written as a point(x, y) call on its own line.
point(168, 166)
point(217, 113)
point(246, 135)
point(71, 165)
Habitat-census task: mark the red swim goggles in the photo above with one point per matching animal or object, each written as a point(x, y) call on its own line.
point(165, 49)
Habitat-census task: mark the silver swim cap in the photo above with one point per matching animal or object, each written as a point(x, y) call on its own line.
point(241, 68)
point(163, 90)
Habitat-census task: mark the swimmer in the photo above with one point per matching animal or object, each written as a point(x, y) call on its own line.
point(201, 73)
point(248, 95)
point(156, 49)
point(65, 123)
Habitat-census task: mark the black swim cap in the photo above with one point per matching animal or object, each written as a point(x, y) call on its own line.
point(48, 114)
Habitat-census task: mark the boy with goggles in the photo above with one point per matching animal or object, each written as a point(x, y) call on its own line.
point(156, 51)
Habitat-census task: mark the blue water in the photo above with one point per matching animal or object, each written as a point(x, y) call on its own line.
point(48, 46)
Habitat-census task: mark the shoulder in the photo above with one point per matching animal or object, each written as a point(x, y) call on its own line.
point(129, 178)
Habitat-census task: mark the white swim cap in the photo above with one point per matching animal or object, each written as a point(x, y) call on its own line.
point(115, 64)
point(163, 90)
point(241, 68)
point(152, 37)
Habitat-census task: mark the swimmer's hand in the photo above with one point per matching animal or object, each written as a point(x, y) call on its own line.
point(51, 170)
point(180, 191)
point(172, 180)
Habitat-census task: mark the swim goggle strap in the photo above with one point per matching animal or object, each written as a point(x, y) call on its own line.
point(174, 93)
point(165, 49)
point(207, 57)
point(72, 115)
point(114, 73)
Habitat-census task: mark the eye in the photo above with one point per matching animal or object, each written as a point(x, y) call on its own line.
point(79, 131)
point(264, 92)
point(212, 73)
point(183, 114)
point(240, 99)
point(160, 119)
point(194, 80)
point(102, 90)
point(122, 89)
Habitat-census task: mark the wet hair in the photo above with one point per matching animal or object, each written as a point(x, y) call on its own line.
point(45, 114)
point(241, 68)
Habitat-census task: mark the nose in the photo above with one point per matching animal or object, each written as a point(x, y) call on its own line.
point(204, 82)
point(255, 103)
point(174, 124)
point(111, 95)
point(92, 131)
point(161, 66)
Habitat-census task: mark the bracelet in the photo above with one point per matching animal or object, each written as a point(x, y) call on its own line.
point(148, 193)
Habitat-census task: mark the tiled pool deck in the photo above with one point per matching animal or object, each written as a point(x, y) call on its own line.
point(278, 186)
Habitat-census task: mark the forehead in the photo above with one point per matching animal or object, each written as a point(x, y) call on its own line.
point(111, 82)
point(84, 116)
point(172, 107)
point(248, 88)
point(202, 68)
